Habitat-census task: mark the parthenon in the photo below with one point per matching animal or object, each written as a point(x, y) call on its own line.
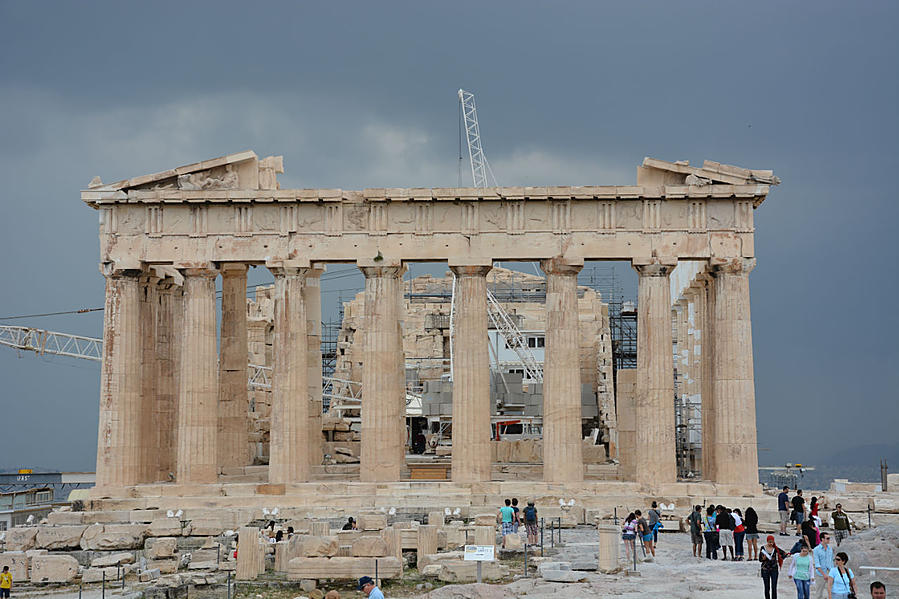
point(172, 409)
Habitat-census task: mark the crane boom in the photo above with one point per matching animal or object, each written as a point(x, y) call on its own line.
point(481, 173)
point(49, 342)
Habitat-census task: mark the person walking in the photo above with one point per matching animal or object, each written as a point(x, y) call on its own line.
point(530, 522)
point(809, 533)
point(772, 558)
point(725, 532)
point(655, 522)
point(516, 519)
point(739, 532)
point(802, 572)
point(783, 501)
point(645, 536)
point(629, 536)
point(842, 578)
point(841, 524)
point(506, 516)
point(695, 521)
point(5, 582)
point(798, 502)
point(823, 555)
point(751, 522)
point(710, 532)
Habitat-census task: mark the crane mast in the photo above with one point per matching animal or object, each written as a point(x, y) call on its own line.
point(481, 173)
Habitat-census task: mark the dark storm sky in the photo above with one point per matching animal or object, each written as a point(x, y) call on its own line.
point(363, 94)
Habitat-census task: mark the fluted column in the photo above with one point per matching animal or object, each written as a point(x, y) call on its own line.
point(471, 460)
point(167, 341)
point(289, 451)
point(562, 445)
point(232, 411)
point(655, 447)
point(198, 386)
point(313, 300)
point(736, 453)
point(118, 440)
point(149, 377)
point(383, 377)
point(705, 311)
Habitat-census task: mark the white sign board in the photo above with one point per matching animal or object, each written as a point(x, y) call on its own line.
point(479, 553)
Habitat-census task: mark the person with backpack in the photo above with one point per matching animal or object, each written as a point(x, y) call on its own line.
point(710, 532)
point(725, 523)
point(751, 523)
point(772, 558)
point(655, 522)
point(530, 522)
point(695, 521)
point(645, 533)
point(629, 536)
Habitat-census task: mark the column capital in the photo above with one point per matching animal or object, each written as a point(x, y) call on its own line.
point(562, 266)
point(471, 270)
point(289, 271)
point(387, 270)
point(111, 270)
point(655, 267)
point(197, 269)
point(732, 266)
point(233, 269)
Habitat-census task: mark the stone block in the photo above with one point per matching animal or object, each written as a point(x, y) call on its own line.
point(436, 518)
point(17, 562)
point(164, 527)
point(165, 566)
point(96, 574)
point(485, 520)
point(202, 565)
point(462, 571)
point(300, 568)
point(207, 527)
point(53, 568)
point(372, 522)
point(64, 518)
point(114, 559)
point(59, 537)
point(313, 546)
point(563, 576)
point(21, 539)
point(512, 542)
point(148, 575)
point(320, 529)
point(369, 547)
point(107, 537)
point(160, 547)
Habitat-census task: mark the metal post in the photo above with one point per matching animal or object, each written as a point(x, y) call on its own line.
point(229, 584)
point(559, 527)
point(377, 582)
point(123, 577)
point(80, 586)
point(552, 534)
point(869, 515)
point(103, 588)
point(615, 515)
point(479, 572)
point(542, 524)
point(525, 560)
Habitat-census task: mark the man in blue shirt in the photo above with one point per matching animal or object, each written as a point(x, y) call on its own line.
point(367, 586)
point(823, 554)
point(783, 508)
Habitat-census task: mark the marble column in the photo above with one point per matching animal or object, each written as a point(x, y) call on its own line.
point(197, 460)
point(472, 454)
point(655, 446)
point(705, 310)
point(312, 298)
point(118, 439)
point(167, 341)
point(736, 452)
point(233, 425)
point(383, 448)
point(288, 450)
point(149, 377)
point(562, 445)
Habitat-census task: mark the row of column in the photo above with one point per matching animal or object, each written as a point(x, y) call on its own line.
point(722, 373)
point(172, 405)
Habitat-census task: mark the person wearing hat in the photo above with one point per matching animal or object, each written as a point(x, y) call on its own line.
point(367, 586)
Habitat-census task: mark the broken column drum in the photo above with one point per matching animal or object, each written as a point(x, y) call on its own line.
point(169, 235)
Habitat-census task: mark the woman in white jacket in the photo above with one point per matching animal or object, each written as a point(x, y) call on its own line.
point(802, 572)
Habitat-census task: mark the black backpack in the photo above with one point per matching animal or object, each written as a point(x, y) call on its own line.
point(530, 514)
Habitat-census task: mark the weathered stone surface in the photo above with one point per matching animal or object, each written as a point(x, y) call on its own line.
point(64, 518)
point(165, 566)
point(342, 567)
point(160, 547)
point(115, 559)
point(17, 562)
point(164, 527)
point(313, 546)
point(207, 527)
point(148, 575)
point(21, 539)
point(59, 537)
point(202, 565)
point(93, 574)
point(106, 537)
point(512, 542)
point(53, 568)
point(485, 520)
point(563, 576)
point(369, 547)
point(462, 571)
point(372, 522)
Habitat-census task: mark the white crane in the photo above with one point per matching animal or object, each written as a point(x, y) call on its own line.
point(481, 175)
